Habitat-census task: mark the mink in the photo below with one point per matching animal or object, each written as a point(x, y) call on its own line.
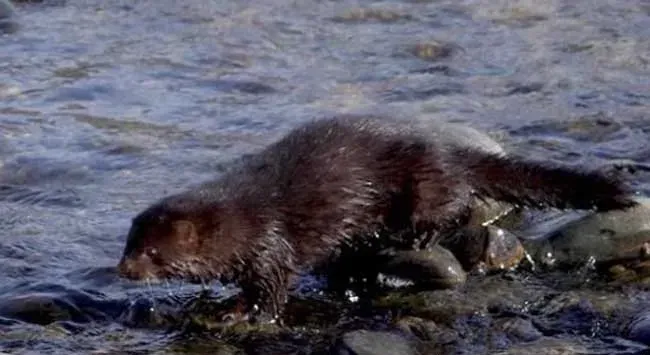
point(332, 183)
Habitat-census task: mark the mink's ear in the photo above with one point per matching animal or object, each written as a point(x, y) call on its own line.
point(186, 233)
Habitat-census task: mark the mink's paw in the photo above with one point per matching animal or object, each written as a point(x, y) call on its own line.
point(234, 317)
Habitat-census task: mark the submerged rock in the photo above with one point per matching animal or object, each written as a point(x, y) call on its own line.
point(569, 346)
point(48, 303)
point(6, 9)
point(432, 50)
point(365, 342)
point(7, 17)
point(362, 15)
point(639, 327)
point(519, 329)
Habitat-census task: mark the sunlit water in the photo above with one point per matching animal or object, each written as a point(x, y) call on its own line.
point(106, 106)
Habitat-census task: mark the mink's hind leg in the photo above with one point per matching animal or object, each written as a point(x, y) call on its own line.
point(431, 207)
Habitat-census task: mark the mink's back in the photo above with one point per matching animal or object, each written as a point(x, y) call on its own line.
point(344, 178)
point(321, 154)
point(329, 180)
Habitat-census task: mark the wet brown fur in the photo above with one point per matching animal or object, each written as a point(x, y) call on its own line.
point(331, 183)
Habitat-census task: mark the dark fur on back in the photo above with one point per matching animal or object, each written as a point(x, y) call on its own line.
point(330, 183)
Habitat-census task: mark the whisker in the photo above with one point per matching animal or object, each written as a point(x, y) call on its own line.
point(168, 288)
point(151, 295)
point(180, 286)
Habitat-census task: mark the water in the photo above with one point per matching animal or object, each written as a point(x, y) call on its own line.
point(107, 105)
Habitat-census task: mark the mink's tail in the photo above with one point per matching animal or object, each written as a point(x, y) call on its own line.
point(541, 186)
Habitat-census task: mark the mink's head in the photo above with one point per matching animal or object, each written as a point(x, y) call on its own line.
point(177, 238)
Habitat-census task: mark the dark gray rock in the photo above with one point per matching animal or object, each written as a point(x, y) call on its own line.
point(520, 329)
point(365, 342)
point(597, 237)
point(436, 267)
point(7, 17)
point(6, 9)
point(639, 327)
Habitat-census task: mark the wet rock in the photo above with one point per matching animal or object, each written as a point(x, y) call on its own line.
point(8, 23)
point(482, 245)
point(152, 313)
point(602, 238)
point(365, 342)
point(432, 50)
point(628, 271)
point(422, 91)
point(432, 339)
point(597, 127)
point(575, 312)
point(35, 196)
point(360, 15)
point(577, 47)
point(504, 251)
point(638, 329)
point(436, 267)
point(202, 346)
point(422, 329)
point(519, 13)
point(568, 346)
point(6, 9)
point(45, 304)
point(27, 170)
point(243, 86)
point(491, 313)
point(441, 69)
point(523, 89)
point(441, 306)
point(519, 329)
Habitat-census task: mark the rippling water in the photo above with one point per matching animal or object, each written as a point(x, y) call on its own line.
point(107, 105)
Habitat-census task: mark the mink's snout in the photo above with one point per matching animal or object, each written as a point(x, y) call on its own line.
point(137, 268)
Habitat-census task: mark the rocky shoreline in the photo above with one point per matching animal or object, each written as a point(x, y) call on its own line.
point(527, 292)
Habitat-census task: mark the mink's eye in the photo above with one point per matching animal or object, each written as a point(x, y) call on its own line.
point(153, 254)
point(151, 251)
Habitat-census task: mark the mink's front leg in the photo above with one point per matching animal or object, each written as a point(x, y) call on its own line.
point(262, 299)
point(265, 279)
